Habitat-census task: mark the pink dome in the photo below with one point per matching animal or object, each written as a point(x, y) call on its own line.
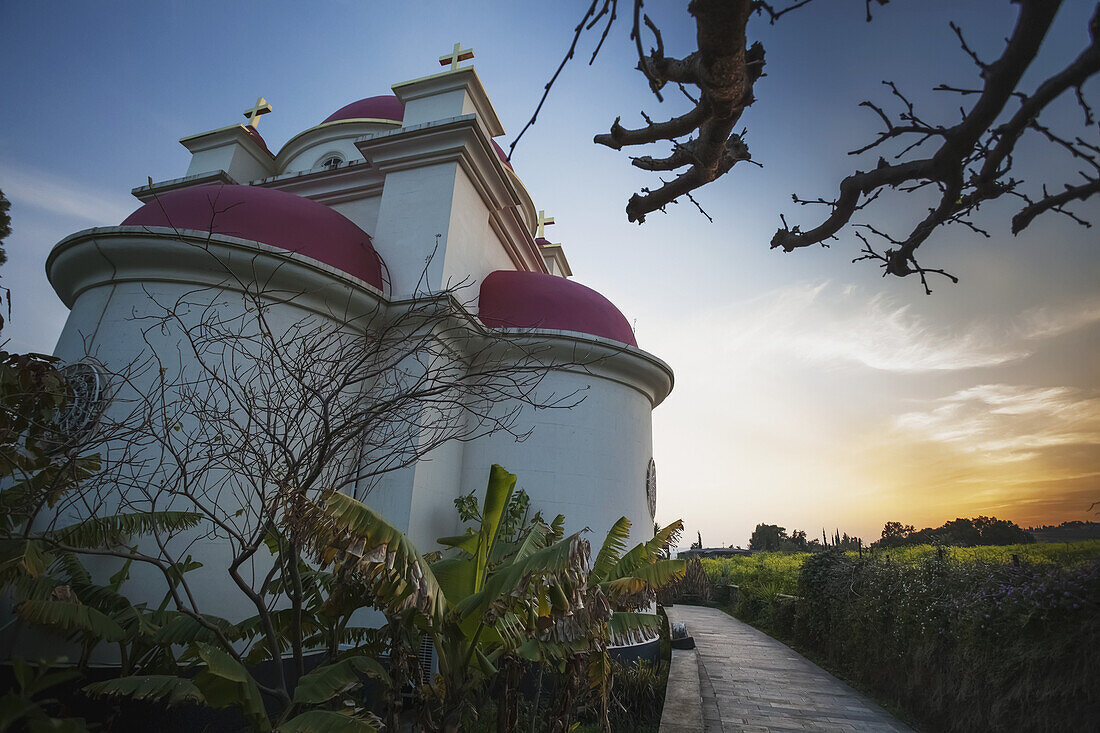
point(385, 107)
point(388, 107)
point(514, 299)
point(257, 137)
point(272, 217)
point(502, 155)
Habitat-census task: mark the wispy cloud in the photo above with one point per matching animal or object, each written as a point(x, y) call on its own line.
point(819, 322)
point(1040, 323)
point(62, 197)
point(1008, 422)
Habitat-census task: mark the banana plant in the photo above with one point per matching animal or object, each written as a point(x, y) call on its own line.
point(223, 682)
point(618, 587)
point(480, 602)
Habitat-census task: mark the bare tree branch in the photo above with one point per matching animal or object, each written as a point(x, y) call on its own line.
point(973, 161)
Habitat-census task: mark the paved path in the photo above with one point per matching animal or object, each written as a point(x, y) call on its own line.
point(745, 680)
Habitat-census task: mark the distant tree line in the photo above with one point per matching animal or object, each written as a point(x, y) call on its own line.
point(773, 538)
point(956, 533)
point(1072, 531)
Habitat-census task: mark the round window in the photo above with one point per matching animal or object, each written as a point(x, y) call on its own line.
point(332, 161)
point(651, 487)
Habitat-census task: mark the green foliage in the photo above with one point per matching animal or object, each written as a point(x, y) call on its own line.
point(692, 587)
point(636, 698)
point(956, 533)
point(963, 646)
point(328, 721)
point(329, 680)
point(169, 689)
point(963, 638)
point(225, 683)
point(767, 538)
point(25, 708)
point(117, 529)
point(379, 553)
point(70, 617)
point(512, 587)
point(611, 550)
point(783, 568)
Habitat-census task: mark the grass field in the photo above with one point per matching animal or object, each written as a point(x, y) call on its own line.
point(777, 572)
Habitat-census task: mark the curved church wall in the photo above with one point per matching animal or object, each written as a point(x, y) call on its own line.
point(114, 280)
point(589, 461)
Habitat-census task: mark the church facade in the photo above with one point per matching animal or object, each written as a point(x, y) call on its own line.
point(385, 198)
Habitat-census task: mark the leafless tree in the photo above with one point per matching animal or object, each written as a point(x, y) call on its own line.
point(246, 418)
point(969, 161)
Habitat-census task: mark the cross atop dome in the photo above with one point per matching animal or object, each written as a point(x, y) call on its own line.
point(544, 221)
point(457, 56)
point(253, 113)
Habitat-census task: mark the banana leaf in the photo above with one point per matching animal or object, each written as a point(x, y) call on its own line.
point(326, 721)
point(329, 680)
point(611, 550)
point(226, 683)
point(165, 688)
point(71, 617)
point(114, 529)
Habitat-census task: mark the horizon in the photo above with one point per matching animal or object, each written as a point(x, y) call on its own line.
point(809, 391)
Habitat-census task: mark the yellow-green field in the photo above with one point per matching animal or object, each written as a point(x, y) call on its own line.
point(780, 570)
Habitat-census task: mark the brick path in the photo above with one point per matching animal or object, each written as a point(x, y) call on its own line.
point(744, 680)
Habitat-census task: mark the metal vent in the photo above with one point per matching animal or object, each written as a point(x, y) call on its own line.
point(426, 656)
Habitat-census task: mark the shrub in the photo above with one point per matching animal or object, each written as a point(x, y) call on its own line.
point(962, 646)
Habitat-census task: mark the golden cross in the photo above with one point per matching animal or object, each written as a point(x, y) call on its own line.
point(458, 55)
point(253, 114)
point(544, 221)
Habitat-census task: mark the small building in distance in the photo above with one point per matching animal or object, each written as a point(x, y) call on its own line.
point(712, 552)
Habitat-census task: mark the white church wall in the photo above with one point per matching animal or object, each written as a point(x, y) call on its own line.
point(473, 248)
point(364, 212)
point(231, 157)
point(246, 167)
point(82, 324)
point(587, 463)
point(109, 322)
point(438, 106)
point(415, 207)
point(213, 159)
point(437, 481)
point(122, 341)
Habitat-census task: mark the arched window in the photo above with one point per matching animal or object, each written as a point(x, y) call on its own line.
point(332, 161)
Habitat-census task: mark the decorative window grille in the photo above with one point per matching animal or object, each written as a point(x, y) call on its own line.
point(332, 161)
point(651, 487)
point(87, 399)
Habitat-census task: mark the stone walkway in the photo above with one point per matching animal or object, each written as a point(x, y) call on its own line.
point(741, 679)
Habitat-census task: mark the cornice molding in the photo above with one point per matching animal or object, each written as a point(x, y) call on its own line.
point(113, 255)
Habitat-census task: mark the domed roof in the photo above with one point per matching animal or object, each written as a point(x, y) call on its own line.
point(384, 107)
point(272, 217)
point(514, 299)
point(389, 107)
point(502, 155)
point(257, 137)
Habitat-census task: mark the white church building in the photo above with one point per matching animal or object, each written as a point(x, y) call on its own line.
point(351, 209)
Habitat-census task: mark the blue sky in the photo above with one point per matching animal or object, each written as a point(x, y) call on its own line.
point(809, 390)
